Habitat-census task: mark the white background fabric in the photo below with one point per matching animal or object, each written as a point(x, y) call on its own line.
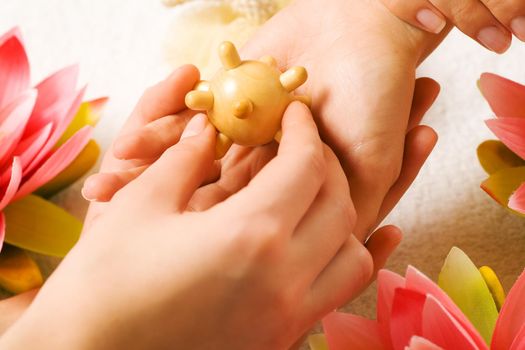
point(119, 47)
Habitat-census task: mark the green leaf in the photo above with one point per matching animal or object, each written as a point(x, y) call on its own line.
point(495, 287)
point(35, 224)
point(502, 184)
point(317, 342)
point(463, 282)
point(495, 156)
point(80, 166)
point(18, 272)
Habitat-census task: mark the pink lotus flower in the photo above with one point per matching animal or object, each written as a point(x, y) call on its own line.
point(506, 165)
point(415, 313)
point(33, 121)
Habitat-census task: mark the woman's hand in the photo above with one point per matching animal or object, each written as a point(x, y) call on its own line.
point(361, 61)
point(490, 22)
point(256, 269)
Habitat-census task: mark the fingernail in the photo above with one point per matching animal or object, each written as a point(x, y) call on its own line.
point(518, 27)
point(196, 125)
point(494, 39)
point(431, 21)
point(86, 195)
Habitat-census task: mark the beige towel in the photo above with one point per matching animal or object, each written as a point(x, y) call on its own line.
point(199, 26)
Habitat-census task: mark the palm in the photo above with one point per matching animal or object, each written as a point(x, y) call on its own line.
point(362, 89)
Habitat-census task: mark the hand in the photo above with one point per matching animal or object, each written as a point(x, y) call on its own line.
point(490, 22)
point(258, 268)
point(361, 62)
point(363, 91)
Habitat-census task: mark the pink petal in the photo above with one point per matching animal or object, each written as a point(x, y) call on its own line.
point(519, 341)
point(29, 147)
point(346, 331)
point(517, 200)
point(15, 117)
point(405, 320)
point(60, 128)
point(506, 98)
point(511, 131)
point(2, 230)
point(55, 96)
point(57, 162)
point(26, 150)
point(415, 280)
point(511, 317)
point(387, 283)
point(14, 70)
point(418, 343)
point(13, 32)
point(14, 183)
point(442, 329)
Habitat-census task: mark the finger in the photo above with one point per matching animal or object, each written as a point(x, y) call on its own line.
point(164, 98)
point(11, 309)
point(237, 169)
point(156, 103)
point(382, 244)
point(475, 20)
point(510, 13)
point(418, 145)
point(153, 139)
point(344, 277)
point(365, 177)
point(426, 92)
point(287, 186)
point(419, 13)
point(102, 186)
point(327, 224)
point(167, 97)
point(176, 175)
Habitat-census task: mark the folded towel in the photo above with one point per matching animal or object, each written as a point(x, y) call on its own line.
point(210, 22)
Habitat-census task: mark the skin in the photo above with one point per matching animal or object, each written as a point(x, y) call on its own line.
point(362, 109)
point(470, 16)
point(371, 120)
point(259, 251)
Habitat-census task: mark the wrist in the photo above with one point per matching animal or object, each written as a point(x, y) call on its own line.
point(411, 41)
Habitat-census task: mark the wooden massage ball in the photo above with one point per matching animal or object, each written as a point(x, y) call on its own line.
point(246, 100)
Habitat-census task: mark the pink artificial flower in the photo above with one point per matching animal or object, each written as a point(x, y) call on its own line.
point(414, 313)
point(507, 100)
point(32, 121)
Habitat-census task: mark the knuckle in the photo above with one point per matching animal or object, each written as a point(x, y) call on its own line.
point(365, 264)
point(376, 160)
point(185, 150)
point(285, 299)
point(466, 12)
point(398, 6)
point(505, 9)
point(315, 160)
point(345, 210)
point(144, 103)
point(259, 236)
point(151, 92)
point(381, 169)
point(269, 233)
